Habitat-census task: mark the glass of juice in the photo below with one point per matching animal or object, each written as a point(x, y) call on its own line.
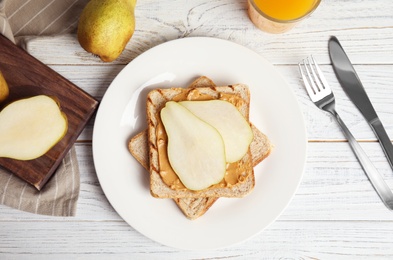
point(278, 16)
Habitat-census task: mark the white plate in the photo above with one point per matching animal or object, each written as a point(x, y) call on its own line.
point(274, 110)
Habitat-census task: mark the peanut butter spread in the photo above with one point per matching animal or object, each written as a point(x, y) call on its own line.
point(235, 172)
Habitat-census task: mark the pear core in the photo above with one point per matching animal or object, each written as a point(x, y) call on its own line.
point(30, 127)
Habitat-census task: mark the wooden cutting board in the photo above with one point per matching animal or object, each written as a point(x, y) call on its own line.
point(27, 77)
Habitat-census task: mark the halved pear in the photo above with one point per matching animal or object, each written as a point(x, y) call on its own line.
point(196, 150)
point(230, 123)
point(4, 90)
point(30, 127)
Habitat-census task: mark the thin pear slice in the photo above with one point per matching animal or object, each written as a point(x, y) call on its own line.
point(196, 150)
point(30, 127)
point(230, 123)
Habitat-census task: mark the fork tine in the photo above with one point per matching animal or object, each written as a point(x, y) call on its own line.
point(321, 78)
point(308, 67)
point(311, 92)
point(315, 75)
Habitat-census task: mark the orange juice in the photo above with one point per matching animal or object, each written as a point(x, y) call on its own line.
point(285, 9)
point(278, 16)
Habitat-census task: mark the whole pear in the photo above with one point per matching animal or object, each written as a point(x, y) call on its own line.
point(4, 90)
point(106, 26)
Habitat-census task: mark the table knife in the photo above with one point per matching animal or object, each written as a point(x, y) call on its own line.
point(354, 89)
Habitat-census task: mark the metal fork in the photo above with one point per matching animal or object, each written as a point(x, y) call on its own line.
point(322, 96)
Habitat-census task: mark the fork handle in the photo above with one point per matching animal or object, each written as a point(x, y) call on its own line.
point(373, 175)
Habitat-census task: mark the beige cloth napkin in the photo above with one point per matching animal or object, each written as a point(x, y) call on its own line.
point(19, 18)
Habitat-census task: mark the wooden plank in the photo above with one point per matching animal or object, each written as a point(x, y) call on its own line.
point(283, 239)
point(93, 79)
point(353, 24)
point(27, 77)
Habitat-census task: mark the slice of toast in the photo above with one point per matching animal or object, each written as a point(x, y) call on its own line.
point(237, 94)
point(193, 208)
point(196, 207)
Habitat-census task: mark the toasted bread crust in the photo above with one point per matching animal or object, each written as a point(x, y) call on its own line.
point(193, 208)
point(138, 148)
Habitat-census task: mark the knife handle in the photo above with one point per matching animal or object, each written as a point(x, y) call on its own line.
point(372, 173)
point(383, 138)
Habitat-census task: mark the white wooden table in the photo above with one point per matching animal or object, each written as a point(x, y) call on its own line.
point(335, 212)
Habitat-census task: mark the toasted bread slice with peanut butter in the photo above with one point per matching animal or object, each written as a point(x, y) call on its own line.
point(164, 183)
point(195, 207)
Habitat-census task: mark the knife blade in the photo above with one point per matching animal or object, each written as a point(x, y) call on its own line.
point(354, 89)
